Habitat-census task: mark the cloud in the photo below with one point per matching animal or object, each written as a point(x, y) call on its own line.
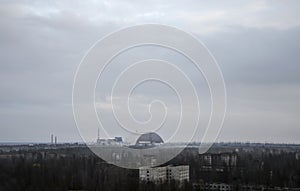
point(255, 42)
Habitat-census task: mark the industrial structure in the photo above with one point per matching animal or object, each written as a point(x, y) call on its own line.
point(149, 140)
point(109, 142)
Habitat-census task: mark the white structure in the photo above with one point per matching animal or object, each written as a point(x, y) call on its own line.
point(180, 173)
point(164, 174)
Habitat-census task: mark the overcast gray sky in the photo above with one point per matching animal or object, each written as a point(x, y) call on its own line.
point(256, 44)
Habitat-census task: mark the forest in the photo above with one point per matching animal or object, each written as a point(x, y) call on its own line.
point(80, 169)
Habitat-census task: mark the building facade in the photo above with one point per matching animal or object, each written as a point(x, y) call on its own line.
point(164, 174)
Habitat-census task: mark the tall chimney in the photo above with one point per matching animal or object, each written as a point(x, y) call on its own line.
point(51, 139)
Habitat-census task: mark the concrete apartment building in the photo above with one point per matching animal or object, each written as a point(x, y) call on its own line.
point(164, 174)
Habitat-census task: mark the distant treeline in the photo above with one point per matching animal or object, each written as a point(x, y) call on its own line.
point(79, 169)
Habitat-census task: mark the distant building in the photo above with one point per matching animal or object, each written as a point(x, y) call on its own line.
point(207, 159)
point(180, 173)
point(113, 141)
point(164, 174)
point(107, 142)
point(218, 160)
point(149, 139)
point(157, 174)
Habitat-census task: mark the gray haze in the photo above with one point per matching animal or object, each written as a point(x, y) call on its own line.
point(256, 44)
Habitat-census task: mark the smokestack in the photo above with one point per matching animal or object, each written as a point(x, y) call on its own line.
point(51, 139)
point(55, 140)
